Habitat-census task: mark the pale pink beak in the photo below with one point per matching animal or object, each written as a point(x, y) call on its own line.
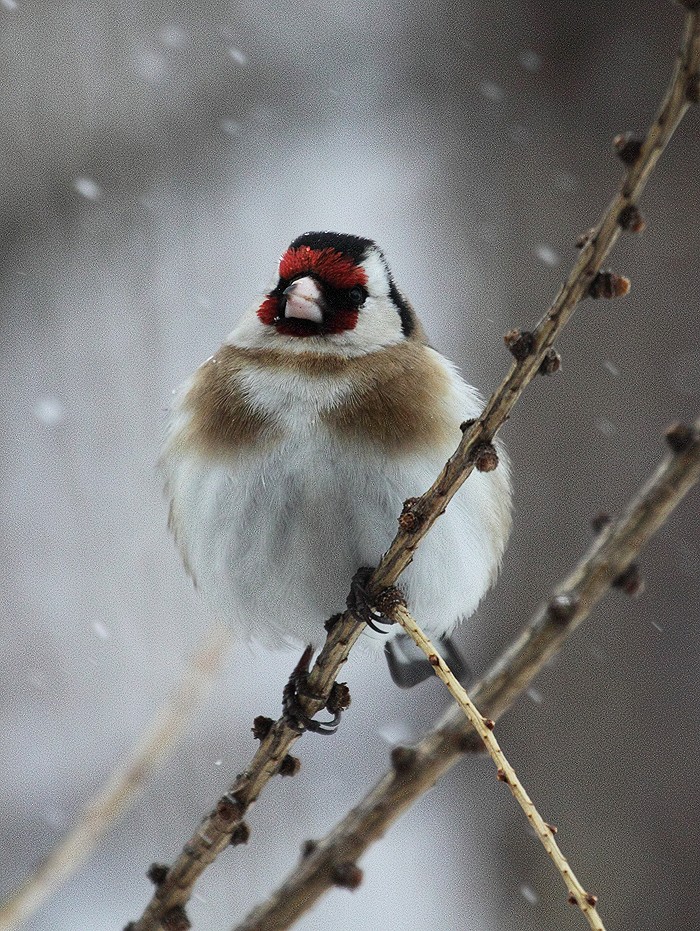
point(303, 300)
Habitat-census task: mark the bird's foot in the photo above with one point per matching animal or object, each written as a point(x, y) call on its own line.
point(295, 689)
point(363, 606)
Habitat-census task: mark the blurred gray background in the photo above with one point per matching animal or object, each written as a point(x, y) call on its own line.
point(157, 157)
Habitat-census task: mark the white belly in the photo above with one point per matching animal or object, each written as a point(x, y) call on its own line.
point(274, 539)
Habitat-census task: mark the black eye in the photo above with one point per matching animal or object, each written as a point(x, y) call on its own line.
point(357, 296)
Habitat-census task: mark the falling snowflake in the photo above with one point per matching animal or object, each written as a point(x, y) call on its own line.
point(565, 181)
point(173, 36)
point(530, 60)
point(235, 54)
point(101, 630)
point(395, 734)
point(88, 188)
point(529, 894)
point(49, 411)
point(492, 91)
point(150, 65)
point(534, 695)
point(547, 255)
point(230, 127)
point(605, 426)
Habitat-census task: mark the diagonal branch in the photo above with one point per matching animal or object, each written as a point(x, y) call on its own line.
point(505, 772)
point(416, 769)
point(217, 829)
point(424, 511)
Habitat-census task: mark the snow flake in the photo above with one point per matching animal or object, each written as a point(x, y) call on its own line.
point(87, 188)
point(547, 255)
point(50, 411)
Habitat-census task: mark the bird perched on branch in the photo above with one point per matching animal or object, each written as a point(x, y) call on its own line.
point(291, 450)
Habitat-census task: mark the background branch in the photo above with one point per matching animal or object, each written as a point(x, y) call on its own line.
point(124, 784)
point(416, 769)
point(215, 832)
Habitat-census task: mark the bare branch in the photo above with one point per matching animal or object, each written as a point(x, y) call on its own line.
point(425, 510)
point(123, 785)
point(416, 769)
point(484, 728)
point(419, 514)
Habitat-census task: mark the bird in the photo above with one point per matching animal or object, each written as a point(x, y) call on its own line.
point(290, 451)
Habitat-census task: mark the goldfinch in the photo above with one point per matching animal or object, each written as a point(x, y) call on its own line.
point(291, 450)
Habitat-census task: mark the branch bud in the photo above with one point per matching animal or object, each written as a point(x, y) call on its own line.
point(307, 848)
point(339, 699)
point(388, 600)
point(585, 238)
point(630, 581)
point(229, 808)
point(519, 343)
point(485, 457)
point(561, 609)
point(628, 146)
point(240, 834)
point(631, 219)
point(608, 284)
point(600, 521)
point(408, 521)
point(261, 727)
point(157, 873)
point(679, 436)
point(551, 362)
point(176, 920)
point(346, 875)
point(403, 759)
point(331, 622)
point(290, 765)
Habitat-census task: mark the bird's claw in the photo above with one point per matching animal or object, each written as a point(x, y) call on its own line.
point(291, 705)
point(361, 604)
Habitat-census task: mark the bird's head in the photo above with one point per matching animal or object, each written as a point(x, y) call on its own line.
point(333, 292)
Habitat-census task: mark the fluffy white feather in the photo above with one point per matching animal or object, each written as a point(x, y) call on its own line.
point(273, 538)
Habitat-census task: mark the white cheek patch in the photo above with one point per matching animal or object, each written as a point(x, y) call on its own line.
point(377, 275)
point(378, 325)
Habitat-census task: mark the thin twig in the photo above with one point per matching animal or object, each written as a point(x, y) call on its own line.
point(415, 770)
point(215, 832)
point(123, 785)
point(484, 728)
